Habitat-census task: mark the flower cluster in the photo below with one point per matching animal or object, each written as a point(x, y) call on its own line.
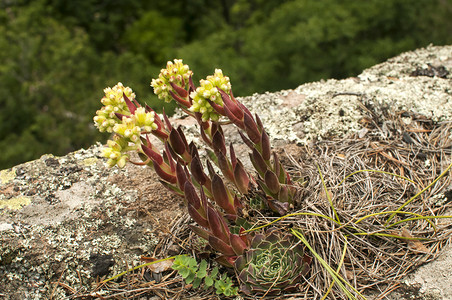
point(208, 92)
point(128, 129)
point(121, 116)
point(175, 74)
point(114, 103)
point(115, 152)
point(144, 119)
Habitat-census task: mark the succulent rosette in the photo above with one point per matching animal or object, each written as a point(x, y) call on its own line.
point(273, 264)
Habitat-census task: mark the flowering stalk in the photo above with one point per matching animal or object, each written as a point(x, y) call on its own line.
point(179, 165)
point(213, 100)
point(213, 226)
point(273, 179)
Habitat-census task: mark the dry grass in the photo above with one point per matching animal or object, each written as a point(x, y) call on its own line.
point(375, 261)
point(377, 257)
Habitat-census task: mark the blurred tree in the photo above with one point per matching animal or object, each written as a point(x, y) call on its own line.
point(155, 36)
point(42, 65)
point(103, 20)
point(306, 40)
point(52, 81)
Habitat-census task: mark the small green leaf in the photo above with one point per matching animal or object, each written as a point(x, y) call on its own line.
point(214, 273)
point(224, 286)
point(208, 281)
point(202, 272)
point(197, 282)
point(185, 272)
point(188, 268)
point(191, 262)
point(190, 278)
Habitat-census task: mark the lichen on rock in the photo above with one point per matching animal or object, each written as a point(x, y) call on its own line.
point(334, 108)
point(74, 212)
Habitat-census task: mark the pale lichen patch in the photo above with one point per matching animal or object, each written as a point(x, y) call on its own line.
point(7, 175)
point(89, 161)
point(14, 203)
point(74, 213)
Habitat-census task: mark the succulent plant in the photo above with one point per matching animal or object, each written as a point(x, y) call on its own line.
point(273, 264)
point(211, 199)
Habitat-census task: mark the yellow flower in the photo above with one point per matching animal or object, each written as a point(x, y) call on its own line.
point(128, 129)
point(114, 153)
point(113, 102)
point(176, 73)
point(144, 119)
point(209, 90)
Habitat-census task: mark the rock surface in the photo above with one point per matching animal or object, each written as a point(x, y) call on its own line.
point(71, 219)
point(67, 220)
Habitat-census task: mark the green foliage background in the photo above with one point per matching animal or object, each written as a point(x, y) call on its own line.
point(56, 56)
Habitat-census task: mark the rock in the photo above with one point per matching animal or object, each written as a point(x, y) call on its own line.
point(71, 219)
point(66, 220)
point(324, 109)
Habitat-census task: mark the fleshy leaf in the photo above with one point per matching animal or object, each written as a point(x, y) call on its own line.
point(280, 207)
point(216, 224)
point(177, 143)
point(191, 196)
point(237, 244)
point(251, 129)
point(180, 91)
point(152, 154)
point(221, 246)
point(129, 103)
point(258, 162)
point(225, 166)
point(181, 176)
point(265, 144)
point(246, 140)
point(172, 188)
point(271, 181)
point(197, 171)
point(260, 126)
point(241, 178)
point(221, 195)
point(200, 232)
point(232, 106)
point(179, 100)
point(218, 142)
point(196, 216)
point(164, 175)
point(167, 121)
point(218, 108)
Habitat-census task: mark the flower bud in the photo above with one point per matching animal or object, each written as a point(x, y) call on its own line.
point(113, 102)
point(114, 153)
point(176, 73)
point(208, 91)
